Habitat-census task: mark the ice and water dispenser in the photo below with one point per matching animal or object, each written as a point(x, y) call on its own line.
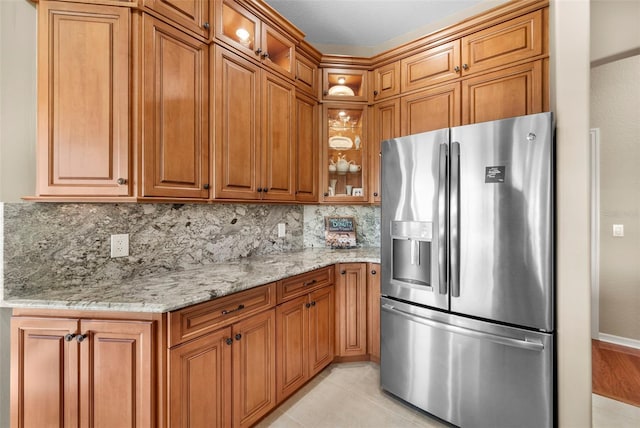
point(411, 253)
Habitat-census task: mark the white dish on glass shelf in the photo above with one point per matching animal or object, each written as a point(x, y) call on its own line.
point(341, 90)
point(342, 143)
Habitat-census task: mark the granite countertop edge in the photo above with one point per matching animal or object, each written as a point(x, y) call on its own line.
point(170, 291)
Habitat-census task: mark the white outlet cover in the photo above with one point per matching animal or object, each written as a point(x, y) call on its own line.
point(618, 230)
point(120, 245)
point(282, 230)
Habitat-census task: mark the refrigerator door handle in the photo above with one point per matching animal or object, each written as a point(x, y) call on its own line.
point(454, 220)
point(443, 213)
point(503, 340)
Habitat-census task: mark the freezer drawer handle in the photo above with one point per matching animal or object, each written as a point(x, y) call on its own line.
point(516, 343)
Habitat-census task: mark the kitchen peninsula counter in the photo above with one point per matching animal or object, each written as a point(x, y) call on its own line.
point(170, 291)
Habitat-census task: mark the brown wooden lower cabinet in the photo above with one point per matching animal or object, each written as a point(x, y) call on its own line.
point(225, 378)
point(220, 363)
point(70, 372)
point(351, 310)
point(305, 339)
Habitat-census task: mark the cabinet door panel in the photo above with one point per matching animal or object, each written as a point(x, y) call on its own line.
point(292, 319)
point(433, 66)
point(83, 99)
point(278, 144)
point(254, 368)
point(430, 109)
point(506, 93)
point(200, 382)
point(322, 316)
point(351, 300)
point(306, 123)
point(192, 14)
point(387, 125)
point(373, 311)
point(306, 75)
point(175, 159)
point(116, 386)
point(44, 387)
point(237, 125)
point(386, 80)
point(501, 44)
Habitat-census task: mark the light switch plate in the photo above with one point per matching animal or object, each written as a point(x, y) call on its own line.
point(618, 230)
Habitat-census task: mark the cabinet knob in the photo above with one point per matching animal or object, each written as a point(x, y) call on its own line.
point(81, 337)
point(258, 51)
point(325, 92)
point(228, 341)
point(205, 186)
point(456, 69)
point(238, 336)
point(375, 93)
point(313, 303)
point(307, 305)
point(121, 181)
point(265, 190)
point(206, 25)
point(373, 272)
point(259, 189)
point(69, 337)
point(326, 194)
point(343, 272)
point(465, 67)
point(375, 194)
point(265, 55)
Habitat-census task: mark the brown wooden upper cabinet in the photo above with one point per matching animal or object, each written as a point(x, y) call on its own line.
point(345, 149)
point(514, 40)
point(430, 67)
point(83, 100)
point(194, 15)
point(175, 92)
point(306, 75)
point(344, 84)
point(511, 41)
point(256, 39)
point(386, 125)
point(307, 151)
point(431, 108)
point(255, 137)
point(386, 81)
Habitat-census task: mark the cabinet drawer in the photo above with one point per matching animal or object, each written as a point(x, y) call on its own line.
point(301, 284)
point(193, 321)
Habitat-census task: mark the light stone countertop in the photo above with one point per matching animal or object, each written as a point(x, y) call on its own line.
point(175, 290)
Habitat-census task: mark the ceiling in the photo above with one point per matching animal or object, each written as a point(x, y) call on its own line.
point(367, 27)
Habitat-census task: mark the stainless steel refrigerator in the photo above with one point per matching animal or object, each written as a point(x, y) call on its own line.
point(467, 251)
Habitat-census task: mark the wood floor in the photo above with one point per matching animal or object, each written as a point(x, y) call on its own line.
point(616, 372)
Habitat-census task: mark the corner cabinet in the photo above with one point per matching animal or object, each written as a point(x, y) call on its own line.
point(84, 80)
point(255, 137)
point(351, 311)
point(82, 372)
point(175, 113)
point(191, 14)
point(345, 148)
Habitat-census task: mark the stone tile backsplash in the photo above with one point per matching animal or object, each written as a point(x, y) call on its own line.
point(70, 243)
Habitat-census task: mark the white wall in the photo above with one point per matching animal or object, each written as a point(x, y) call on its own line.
point(18, 32)
point(569, 73)
point(615, 29)
point(17, 99)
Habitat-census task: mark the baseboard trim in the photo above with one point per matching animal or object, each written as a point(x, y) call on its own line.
point(617, 340)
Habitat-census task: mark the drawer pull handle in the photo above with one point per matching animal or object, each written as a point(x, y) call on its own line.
point(225, 312)
point(313, 281)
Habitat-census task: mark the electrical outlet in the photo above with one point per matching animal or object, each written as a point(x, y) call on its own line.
point(618, 230)
point(282, 230)
point(120, 245)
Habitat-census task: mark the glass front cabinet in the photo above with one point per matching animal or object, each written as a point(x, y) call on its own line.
point(344, 161)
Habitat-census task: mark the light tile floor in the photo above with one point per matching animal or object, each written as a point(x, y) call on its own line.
point(348, 395)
